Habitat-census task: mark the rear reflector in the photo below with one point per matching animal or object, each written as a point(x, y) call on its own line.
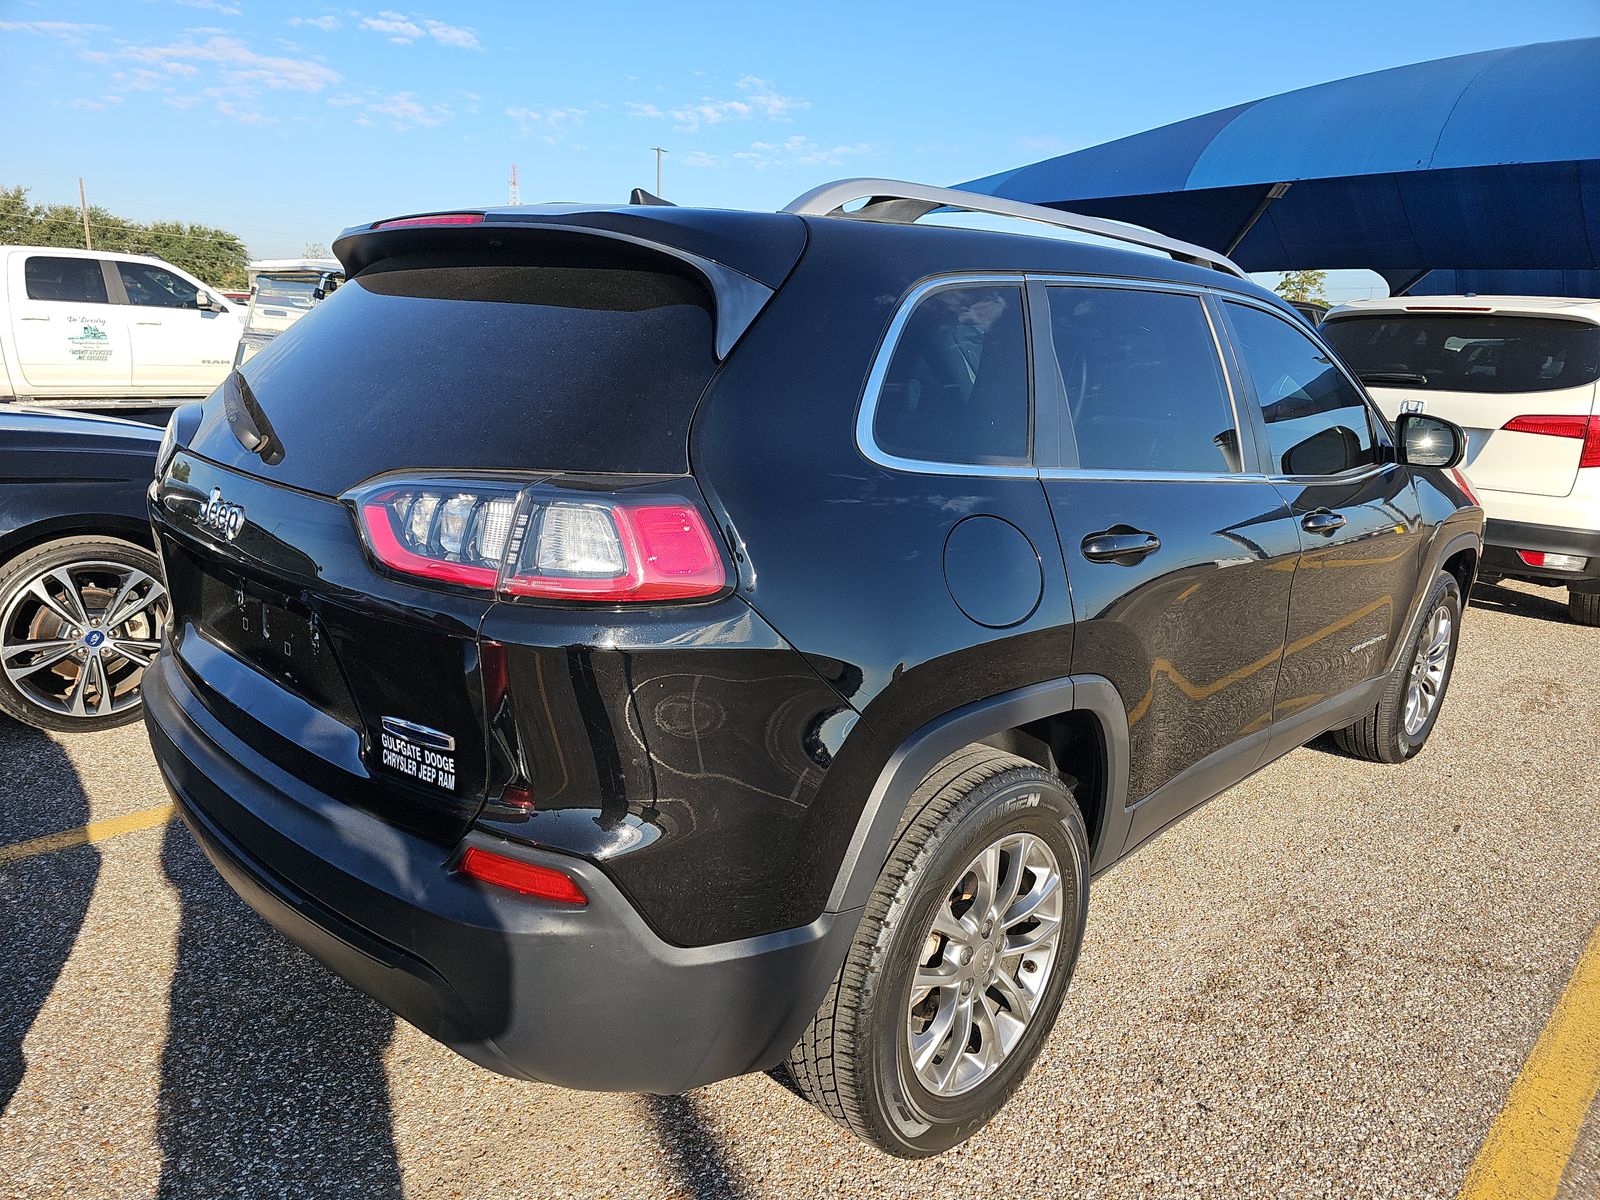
point(1587, 428)
point(513, 874)
point(1553, 562)
point(434, 219)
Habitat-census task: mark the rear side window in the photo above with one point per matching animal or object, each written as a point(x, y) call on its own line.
point(1466, 352)
point(77, 279)
point(1143, 381)
point(1317, 422)
point(956, 390)
point(151, 287)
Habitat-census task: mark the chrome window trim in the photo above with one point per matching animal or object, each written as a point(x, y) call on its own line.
point(1217, 346)
point(867, 444)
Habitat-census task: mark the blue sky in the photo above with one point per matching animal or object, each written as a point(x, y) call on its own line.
point(287, 121)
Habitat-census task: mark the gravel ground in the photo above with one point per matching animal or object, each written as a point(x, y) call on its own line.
point(1321, 984)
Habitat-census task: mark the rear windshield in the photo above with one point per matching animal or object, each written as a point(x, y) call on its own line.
point(1462, 352)
point(525, 367)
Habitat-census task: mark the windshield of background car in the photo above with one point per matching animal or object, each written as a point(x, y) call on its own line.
point(1464, 352)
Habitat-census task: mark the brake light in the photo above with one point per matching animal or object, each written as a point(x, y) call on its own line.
point(530, 879)
point(1587, 428)
point(547, 541)
point(432, 219)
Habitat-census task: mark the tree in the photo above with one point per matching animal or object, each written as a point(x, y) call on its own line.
point(315, 250)
point(1303, 285)
point(213, 255)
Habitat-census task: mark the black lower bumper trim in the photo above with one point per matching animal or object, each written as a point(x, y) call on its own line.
point(580, 997)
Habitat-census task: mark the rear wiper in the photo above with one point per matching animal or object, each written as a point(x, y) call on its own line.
point(248, 423)
point(1401, 377)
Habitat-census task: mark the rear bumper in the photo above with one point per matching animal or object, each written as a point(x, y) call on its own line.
point(580, 997)
point(1502, 540)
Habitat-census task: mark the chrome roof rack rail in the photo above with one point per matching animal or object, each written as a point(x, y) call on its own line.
point(894, 201)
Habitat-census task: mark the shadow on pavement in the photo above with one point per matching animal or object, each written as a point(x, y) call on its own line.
point(693, 1150)
point(272, 1081)
point(43, 899)
point(1545, 604)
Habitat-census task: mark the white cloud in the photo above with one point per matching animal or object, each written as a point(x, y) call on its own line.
point(96, 105)
point(551, 124)
point(67, 31)
point(397, 26)
point(402, 111)
point(236, 66)
point(699, 158)
point(403, 30)
point(799, 151)
point(327, 24)
point(758, 99)
point(217, 6)
point(452, 35)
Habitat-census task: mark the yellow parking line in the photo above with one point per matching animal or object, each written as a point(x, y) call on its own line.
point(1526, 1152)
point(94, 831)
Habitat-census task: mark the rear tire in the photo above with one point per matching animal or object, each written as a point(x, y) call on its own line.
point(880, 1057)
point(1395, 730)
point(1584, 607)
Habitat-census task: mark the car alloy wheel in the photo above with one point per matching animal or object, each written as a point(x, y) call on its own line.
point(76, 638)
point(1428, 669)
point(987, 959)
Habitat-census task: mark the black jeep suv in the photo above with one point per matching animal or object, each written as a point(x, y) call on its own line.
point(641, 645)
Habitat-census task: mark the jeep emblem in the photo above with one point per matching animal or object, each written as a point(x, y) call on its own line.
point(222, 516)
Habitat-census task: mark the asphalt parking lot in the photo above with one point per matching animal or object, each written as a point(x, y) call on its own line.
point(1323, 984)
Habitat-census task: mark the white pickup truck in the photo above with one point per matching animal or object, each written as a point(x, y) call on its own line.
point(97, 330)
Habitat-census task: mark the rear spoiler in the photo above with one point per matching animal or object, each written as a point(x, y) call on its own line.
point(738, 297)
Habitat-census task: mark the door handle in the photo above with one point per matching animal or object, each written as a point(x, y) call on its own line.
point(1323, 520)
point(147, 322)
point(33, 318)
point(1119, 544)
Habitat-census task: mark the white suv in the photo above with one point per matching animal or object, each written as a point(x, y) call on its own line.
point(1519, 374)
point(81, 325)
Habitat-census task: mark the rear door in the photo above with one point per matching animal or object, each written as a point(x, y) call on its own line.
point(71, 339)
point(178, 347)
point(1483, 370)
point(1359, 520)
point(1179, 552)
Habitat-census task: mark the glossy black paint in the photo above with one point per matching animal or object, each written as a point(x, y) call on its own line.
point(730, 769)
point(67, 475)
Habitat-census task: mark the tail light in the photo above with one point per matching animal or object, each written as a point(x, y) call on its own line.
point(1586, 428)
point(1552, 561)
point(546, 541)
point(460, 218)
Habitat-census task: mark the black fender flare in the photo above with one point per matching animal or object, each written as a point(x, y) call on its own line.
point(1437, 557)
point(923, 750)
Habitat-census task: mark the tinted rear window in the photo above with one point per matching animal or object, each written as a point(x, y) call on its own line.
point(515, 367)
point(1463, 352)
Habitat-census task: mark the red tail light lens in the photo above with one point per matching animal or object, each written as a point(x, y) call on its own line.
point(546, 541)
point(432, 219)
point(530, 879)
point(1587, 428)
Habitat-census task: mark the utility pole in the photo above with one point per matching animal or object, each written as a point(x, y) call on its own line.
point(659, 152)
point(83, 206)
point(516, 192)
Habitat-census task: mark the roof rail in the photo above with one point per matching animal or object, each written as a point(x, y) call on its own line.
point(892, 200)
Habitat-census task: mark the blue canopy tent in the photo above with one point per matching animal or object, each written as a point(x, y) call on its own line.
point(1486, 162)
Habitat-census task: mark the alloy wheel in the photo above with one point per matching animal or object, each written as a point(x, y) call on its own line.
point(1426, 684)
point(75, 639)
point(987, 958)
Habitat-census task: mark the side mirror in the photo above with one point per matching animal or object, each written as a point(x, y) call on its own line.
point(1430, 441)
point(206, 302)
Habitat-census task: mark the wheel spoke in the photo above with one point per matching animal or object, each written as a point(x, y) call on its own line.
point(960, 1035)
point(117, 616)
point(1018, 999)
point(987, 870)
point(991, 1046)
point(1041, 894)
point(925, 1046)
point(1023, 943)
point(102, 685)
point(1011, 884)
point(80, 687)
point(139, 652)
point(953, 927)
point(69, 615)
point(927, 979)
